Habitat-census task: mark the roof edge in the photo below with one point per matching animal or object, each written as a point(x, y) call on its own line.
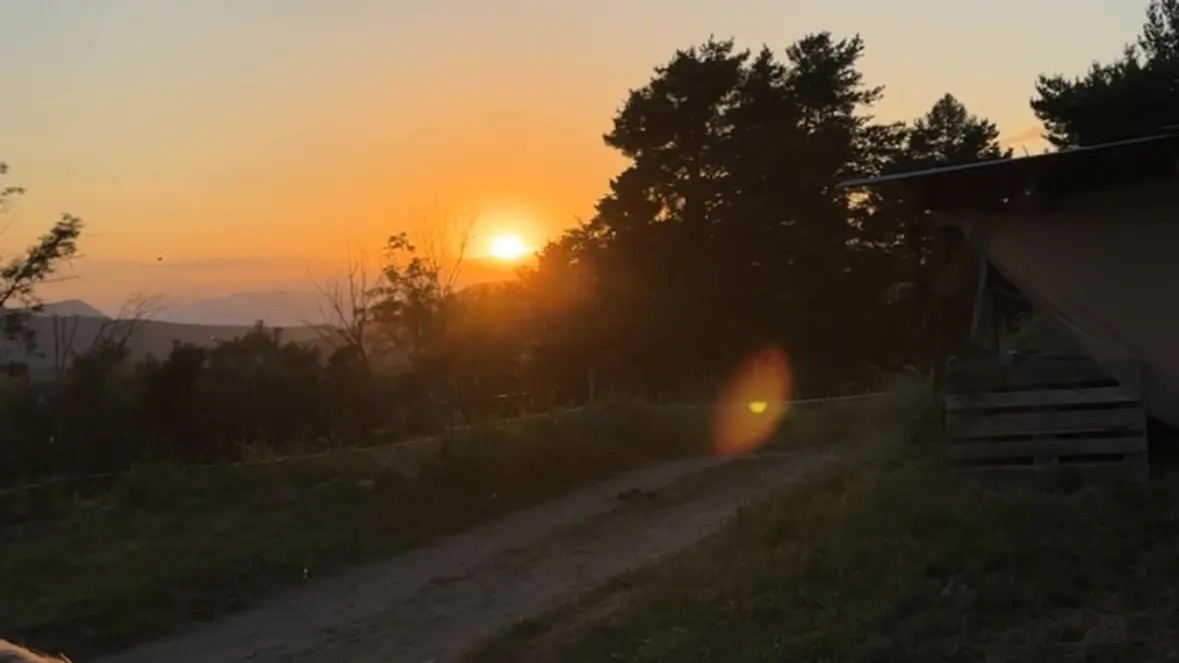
point(1029, 163)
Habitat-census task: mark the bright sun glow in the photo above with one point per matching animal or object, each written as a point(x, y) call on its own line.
point(507, 247)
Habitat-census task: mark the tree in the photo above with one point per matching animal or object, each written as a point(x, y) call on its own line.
point(1136, 95)
point(648, 245)
point(842, 140)
point(137, 311)
point(947, 135)
point(563, 337)
point(20, 275)
point(410, 298)
point(408, 303)
point(726, 230)
point(348, 313)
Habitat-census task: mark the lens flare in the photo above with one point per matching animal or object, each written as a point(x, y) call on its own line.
point(753, 403)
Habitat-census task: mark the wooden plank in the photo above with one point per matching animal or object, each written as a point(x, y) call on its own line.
point(1042, 448)
point(974, 425)
point(984, 361)
point(1039, 398)
point(975, 375)
point(1132, 467)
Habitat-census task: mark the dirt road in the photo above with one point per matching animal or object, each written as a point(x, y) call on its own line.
point(432, 604)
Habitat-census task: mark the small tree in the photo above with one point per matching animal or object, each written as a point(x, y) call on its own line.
point(347, 310)
point(413, 308)
point(138, 310)
point(416, 290)
point(409, 297)
point(20, 275)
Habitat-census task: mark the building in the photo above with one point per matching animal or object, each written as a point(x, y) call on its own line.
point(1091, 238)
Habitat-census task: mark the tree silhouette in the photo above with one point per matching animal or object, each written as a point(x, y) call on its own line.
point(947, 135)
point(20, 276)
point(727, 231)
point(1133, 96)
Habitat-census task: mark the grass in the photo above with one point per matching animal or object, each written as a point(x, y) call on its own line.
point(887, 557)
point(166, 545)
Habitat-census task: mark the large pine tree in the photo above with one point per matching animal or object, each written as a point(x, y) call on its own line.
point(1135, 95)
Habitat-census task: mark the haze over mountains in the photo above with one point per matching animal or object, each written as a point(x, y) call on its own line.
point(280, 293)
point(277, 308)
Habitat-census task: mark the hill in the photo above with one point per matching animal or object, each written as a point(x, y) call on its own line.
point(71, 307)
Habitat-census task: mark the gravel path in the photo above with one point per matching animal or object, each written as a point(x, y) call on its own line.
point(432, 604)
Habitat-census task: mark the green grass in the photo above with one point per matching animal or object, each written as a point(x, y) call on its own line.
point(889, 557)
point(167, 545)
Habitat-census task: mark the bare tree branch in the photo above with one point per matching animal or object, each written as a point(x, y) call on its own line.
point(139, 309)
point(348, 307)
point(443, 243)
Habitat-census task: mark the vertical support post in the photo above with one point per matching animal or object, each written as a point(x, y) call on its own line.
point(980, 292)
point(938, 327)
point(996, 324)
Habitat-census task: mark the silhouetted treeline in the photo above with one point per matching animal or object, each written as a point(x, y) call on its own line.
point(725, 233)
point(199, 405)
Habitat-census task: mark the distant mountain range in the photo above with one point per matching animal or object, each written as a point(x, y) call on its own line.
point(72, 307)
point(280, 308)
point(72, 325)
point(280, 291)
point(286, 304)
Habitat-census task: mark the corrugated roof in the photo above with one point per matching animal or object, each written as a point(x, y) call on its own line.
point(1076, 170)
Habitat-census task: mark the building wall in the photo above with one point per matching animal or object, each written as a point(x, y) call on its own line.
point(1107, 266)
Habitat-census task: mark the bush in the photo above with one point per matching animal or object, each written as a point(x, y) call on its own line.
point(107, 414)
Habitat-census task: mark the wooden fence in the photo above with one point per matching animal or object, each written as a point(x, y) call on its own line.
point(1042, 410)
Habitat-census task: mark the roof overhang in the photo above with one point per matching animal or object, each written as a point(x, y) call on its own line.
point(991, 184)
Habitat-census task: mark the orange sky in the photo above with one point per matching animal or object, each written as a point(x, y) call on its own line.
point(291, 130)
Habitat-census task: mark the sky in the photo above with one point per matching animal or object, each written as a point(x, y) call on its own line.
point(243, 143)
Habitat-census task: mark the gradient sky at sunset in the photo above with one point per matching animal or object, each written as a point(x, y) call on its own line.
point(217, 130)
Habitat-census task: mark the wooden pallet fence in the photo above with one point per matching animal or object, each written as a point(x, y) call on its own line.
point(1041, 411)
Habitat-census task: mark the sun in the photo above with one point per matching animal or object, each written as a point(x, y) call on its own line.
point(507, 247)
